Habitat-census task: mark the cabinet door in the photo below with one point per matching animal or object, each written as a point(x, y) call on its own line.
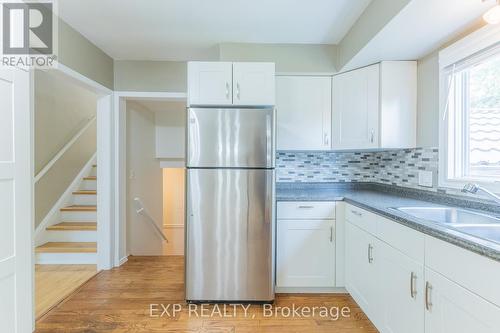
point(210, 83)
point(356, 109)
point(253, 83)
point(305, 253)
point(452, 308)
point(304, 107)
point(401, 285)
point(360, 269)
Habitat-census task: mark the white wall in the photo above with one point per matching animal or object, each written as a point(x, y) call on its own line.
point(62, 109)
point(311, 58)
point(144, 180)
point(173, 210)
point(170, 122)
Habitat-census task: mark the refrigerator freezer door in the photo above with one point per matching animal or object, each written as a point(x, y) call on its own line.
point(230, 138)
point(230, 232)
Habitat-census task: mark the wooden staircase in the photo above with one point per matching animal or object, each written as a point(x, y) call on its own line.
point(73, 240)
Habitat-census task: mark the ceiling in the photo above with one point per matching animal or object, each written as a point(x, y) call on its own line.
point(413, 33)
point(192, 29)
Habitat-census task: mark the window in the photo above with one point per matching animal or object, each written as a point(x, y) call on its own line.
point(470, 94)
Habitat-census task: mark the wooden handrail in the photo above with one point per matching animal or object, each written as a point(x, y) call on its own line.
point(142, 211)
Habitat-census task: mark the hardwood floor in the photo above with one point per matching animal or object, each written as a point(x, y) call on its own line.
point(53, 283)
point(120, 300)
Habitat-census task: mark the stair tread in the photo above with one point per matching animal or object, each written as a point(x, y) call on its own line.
point(67, 247)
point(85, 192)
point(94, 165)
point(90, 178)
point(79, 208)
point(74, 226)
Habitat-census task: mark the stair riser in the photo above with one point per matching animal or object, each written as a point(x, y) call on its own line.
point(88, 185)
point(84, 199)
point(93, 172)
point(79, 216)
point(71, 236)
point(66, 258)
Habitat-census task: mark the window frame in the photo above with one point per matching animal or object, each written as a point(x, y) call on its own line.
point(478, 41)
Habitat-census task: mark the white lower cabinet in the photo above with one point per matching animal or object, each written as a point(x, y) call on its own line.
point(401, 281)
point(305, 253)
point(360, 269)
point(402, 295)
point(452, 308)
point(305, 249)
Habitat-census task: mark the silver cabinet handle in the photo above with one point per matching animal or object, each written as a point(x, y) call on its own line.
point(356, 213)
point(331, 234)
point(227, 90)
point(372, 136)
point(306, 207)
point(325, 139)
point(428, 289)
point(238, 90)
point(370, 253)
point(413, 291)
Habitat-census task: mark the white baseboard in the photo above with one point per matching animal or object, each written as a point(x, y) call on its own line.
point(123, 260)
point(311, 290)
point(53, 215)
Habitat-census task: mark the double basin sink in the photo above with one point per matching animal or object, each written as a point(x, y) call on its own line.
point(476, 224)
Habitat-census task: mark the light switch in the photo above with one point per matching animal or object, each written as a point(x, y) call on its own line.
point(425, 178)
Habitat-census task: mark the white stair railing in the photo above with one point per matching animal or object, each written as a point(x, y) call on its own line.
point(64, 149)
point(139, 209)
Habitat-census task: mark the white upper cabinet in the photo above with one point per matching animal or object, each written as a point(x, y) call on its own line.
point(375, 106)
point(210, 83)
point(398, 104)
point(355, 109)
point(253, 83)
point(304, 105)
point(227, 83)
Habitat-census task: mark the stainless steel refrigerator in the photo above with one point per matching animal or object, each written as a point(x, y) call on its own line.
point(230, 220)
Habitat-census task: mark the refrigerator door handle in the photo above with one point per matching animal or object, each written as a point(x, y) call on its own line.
point(269, 140)
point(269, 199)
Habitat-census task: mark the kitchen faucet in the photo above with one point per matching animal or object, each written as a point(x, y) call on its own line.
point(474, 189)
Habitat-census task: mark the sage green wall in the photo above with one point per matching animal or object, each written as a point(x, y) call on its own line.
point(288, 57)
point(374, 18)
point(428, 91)
point(78, 53)
point(61, 110)
point(157, 76)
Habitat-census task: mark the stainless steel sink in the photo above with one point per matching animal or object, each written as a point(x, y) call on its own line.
point(449, 215)
point(473, 223)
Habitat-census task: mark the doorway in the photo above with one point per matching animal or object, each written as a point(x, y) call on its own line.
point(154, 172)
point(65, 187)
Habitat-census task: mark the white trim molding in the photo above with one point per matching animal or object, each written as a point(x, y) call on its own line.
point(461, 50)
point(53, 215)
point(119, 160)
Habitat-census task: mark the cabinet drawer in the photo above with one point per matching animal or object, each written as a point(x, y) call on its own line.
point(406, 240)
point(361, 218)
point(306, 210)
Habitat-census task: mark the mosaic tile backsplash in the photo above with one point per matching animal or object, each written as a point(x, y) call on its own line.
point(393, 167)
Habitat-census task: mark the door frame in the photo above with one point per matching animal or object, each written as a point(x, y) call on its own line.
point(104, 112)
point(119, 188)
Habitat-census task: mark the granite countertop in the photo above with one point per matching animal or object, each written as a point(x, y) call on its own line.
point(380, 199)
